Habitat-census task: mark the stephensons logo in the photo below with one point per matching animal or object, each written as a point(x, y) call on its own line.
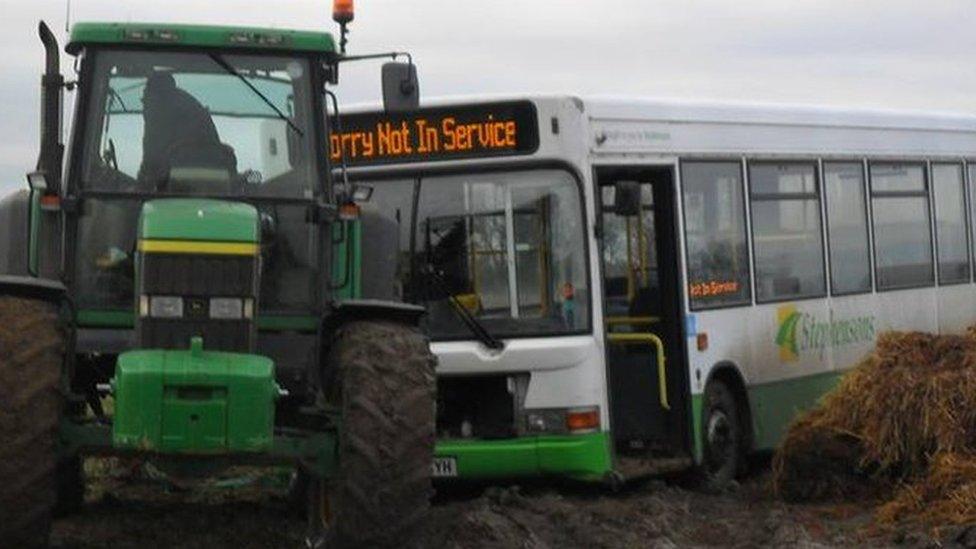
point(801, 333)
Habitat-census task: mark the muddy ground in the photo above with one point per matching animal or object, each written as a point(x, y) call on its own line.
point(130, 506)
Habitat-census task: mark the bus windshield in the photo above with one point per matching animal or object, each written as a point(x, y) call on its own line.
point(200, 124)
point(506, 246)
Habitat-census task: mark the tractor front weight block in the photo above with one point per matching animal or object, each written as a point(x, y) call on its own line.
point(194, 401)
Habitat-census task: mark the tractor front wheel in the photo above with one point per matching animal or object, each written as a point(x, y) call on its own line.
point(385, 380)
point(31, 348)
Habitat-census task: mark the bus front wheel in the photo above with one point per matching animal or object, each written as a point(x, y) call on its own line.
point(722, 435)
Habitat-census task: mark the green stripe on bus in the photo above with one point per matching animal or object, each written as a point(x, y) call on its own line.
point(775, 404)
point(582, 457)
point(698, 449)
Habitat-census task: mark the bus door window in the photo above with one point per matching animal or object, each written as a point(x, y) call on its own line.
point(630, 261)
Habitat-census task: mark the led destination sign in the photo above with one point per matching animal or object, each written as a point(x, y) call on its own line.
point(442, 133)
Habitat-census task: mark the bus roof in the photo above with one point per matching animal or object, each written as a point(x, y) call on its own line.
point(649, 109)
point(605, 125)
point(685, 110)
point(683, 127)
point(207, 36)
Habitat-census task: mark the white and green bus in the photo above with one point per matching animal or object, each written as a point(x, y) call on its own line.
point(623, 287)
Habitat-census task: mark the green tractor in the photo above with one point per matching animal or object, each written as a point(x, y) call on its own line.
point(179, 285)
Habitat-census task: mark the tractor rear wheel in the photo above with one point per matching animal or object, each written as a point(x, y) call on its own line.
point(31, 349)
point(385, 376)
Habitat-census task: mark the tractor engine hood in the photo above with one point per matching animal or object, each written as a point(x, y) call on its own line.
point(201, 220)
point(197, 274)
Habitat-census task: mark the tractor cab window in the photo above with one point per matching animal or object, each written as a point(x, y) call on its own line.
point(200, 124)
point(190, 124)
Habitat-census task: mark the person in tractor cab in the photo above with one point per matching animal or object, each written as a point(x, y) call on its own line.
point(180, 140)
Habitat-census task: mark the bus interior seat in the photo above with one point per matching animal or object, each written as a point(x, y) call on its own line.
point(647, 302)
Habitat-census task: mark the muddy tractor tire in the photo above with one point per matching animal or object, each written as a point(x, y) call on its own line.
point(385, 379)
point(31, 350)
point(722, 433)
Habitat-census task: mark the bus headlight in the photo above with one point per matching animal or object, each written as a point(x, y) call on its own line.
point(226, 308)
point(544, 421)
point(166, 307)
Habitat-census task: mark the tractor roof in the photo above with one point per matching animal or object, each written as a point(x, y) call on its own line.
point(207, 36)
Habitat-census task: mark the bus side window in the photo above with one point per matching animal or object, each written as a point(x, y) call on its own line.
point(847, 228)
point(715, 234)
point(786, 233)
point(950, 223)
point(902, 229)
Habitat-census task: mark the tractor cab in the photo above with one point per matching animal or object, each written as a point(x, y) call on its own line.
point(193, 138)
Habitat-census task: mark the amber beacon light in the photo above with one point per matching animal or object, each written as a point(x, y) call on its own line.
point(342, 11)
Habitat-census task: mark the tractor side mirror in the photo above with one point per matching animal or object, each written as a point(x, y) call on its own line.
point(401, 90)
point(626, 198)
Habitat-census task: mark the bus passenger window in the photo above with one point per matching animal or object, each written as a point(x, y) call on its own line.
point(847, 228)
point(902, 236)
point(950, 223)
point(786, 231)
point(715, 234)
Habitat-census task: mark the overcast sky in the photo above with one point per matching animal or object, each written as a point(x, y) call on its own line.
point(890, 54)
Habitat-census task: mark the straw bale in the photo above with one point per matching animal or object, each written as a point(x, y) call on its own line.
point(944, 496)
point(901, 422)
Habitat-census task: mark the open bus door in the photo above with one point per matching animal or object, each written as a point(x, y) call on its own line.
point(648, 381)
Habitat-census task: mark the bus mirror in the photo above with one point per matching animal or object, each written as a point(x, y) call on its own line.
point(401, 91)
point(626, 198)
point(37, 181)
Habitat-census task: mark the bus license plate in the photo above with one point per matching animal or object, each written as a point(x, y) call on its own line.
point(444, 467)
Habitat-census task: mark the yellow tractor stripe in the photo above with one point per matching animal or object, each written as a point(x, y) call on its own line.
point(197, 247)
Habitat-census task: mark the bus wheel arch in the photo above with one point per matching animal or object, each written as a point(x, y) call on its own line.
point(725, 407)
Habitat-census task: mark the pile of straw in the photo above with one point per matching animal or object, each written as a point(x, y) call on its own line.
point(902, 425)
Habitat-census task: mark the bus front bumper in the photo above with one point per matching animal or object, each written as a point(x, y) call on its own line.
point(580, 457)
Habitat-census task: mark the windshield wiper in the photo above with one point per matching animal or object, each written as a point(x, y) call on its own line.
point(476, 327)
point(231, 70)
